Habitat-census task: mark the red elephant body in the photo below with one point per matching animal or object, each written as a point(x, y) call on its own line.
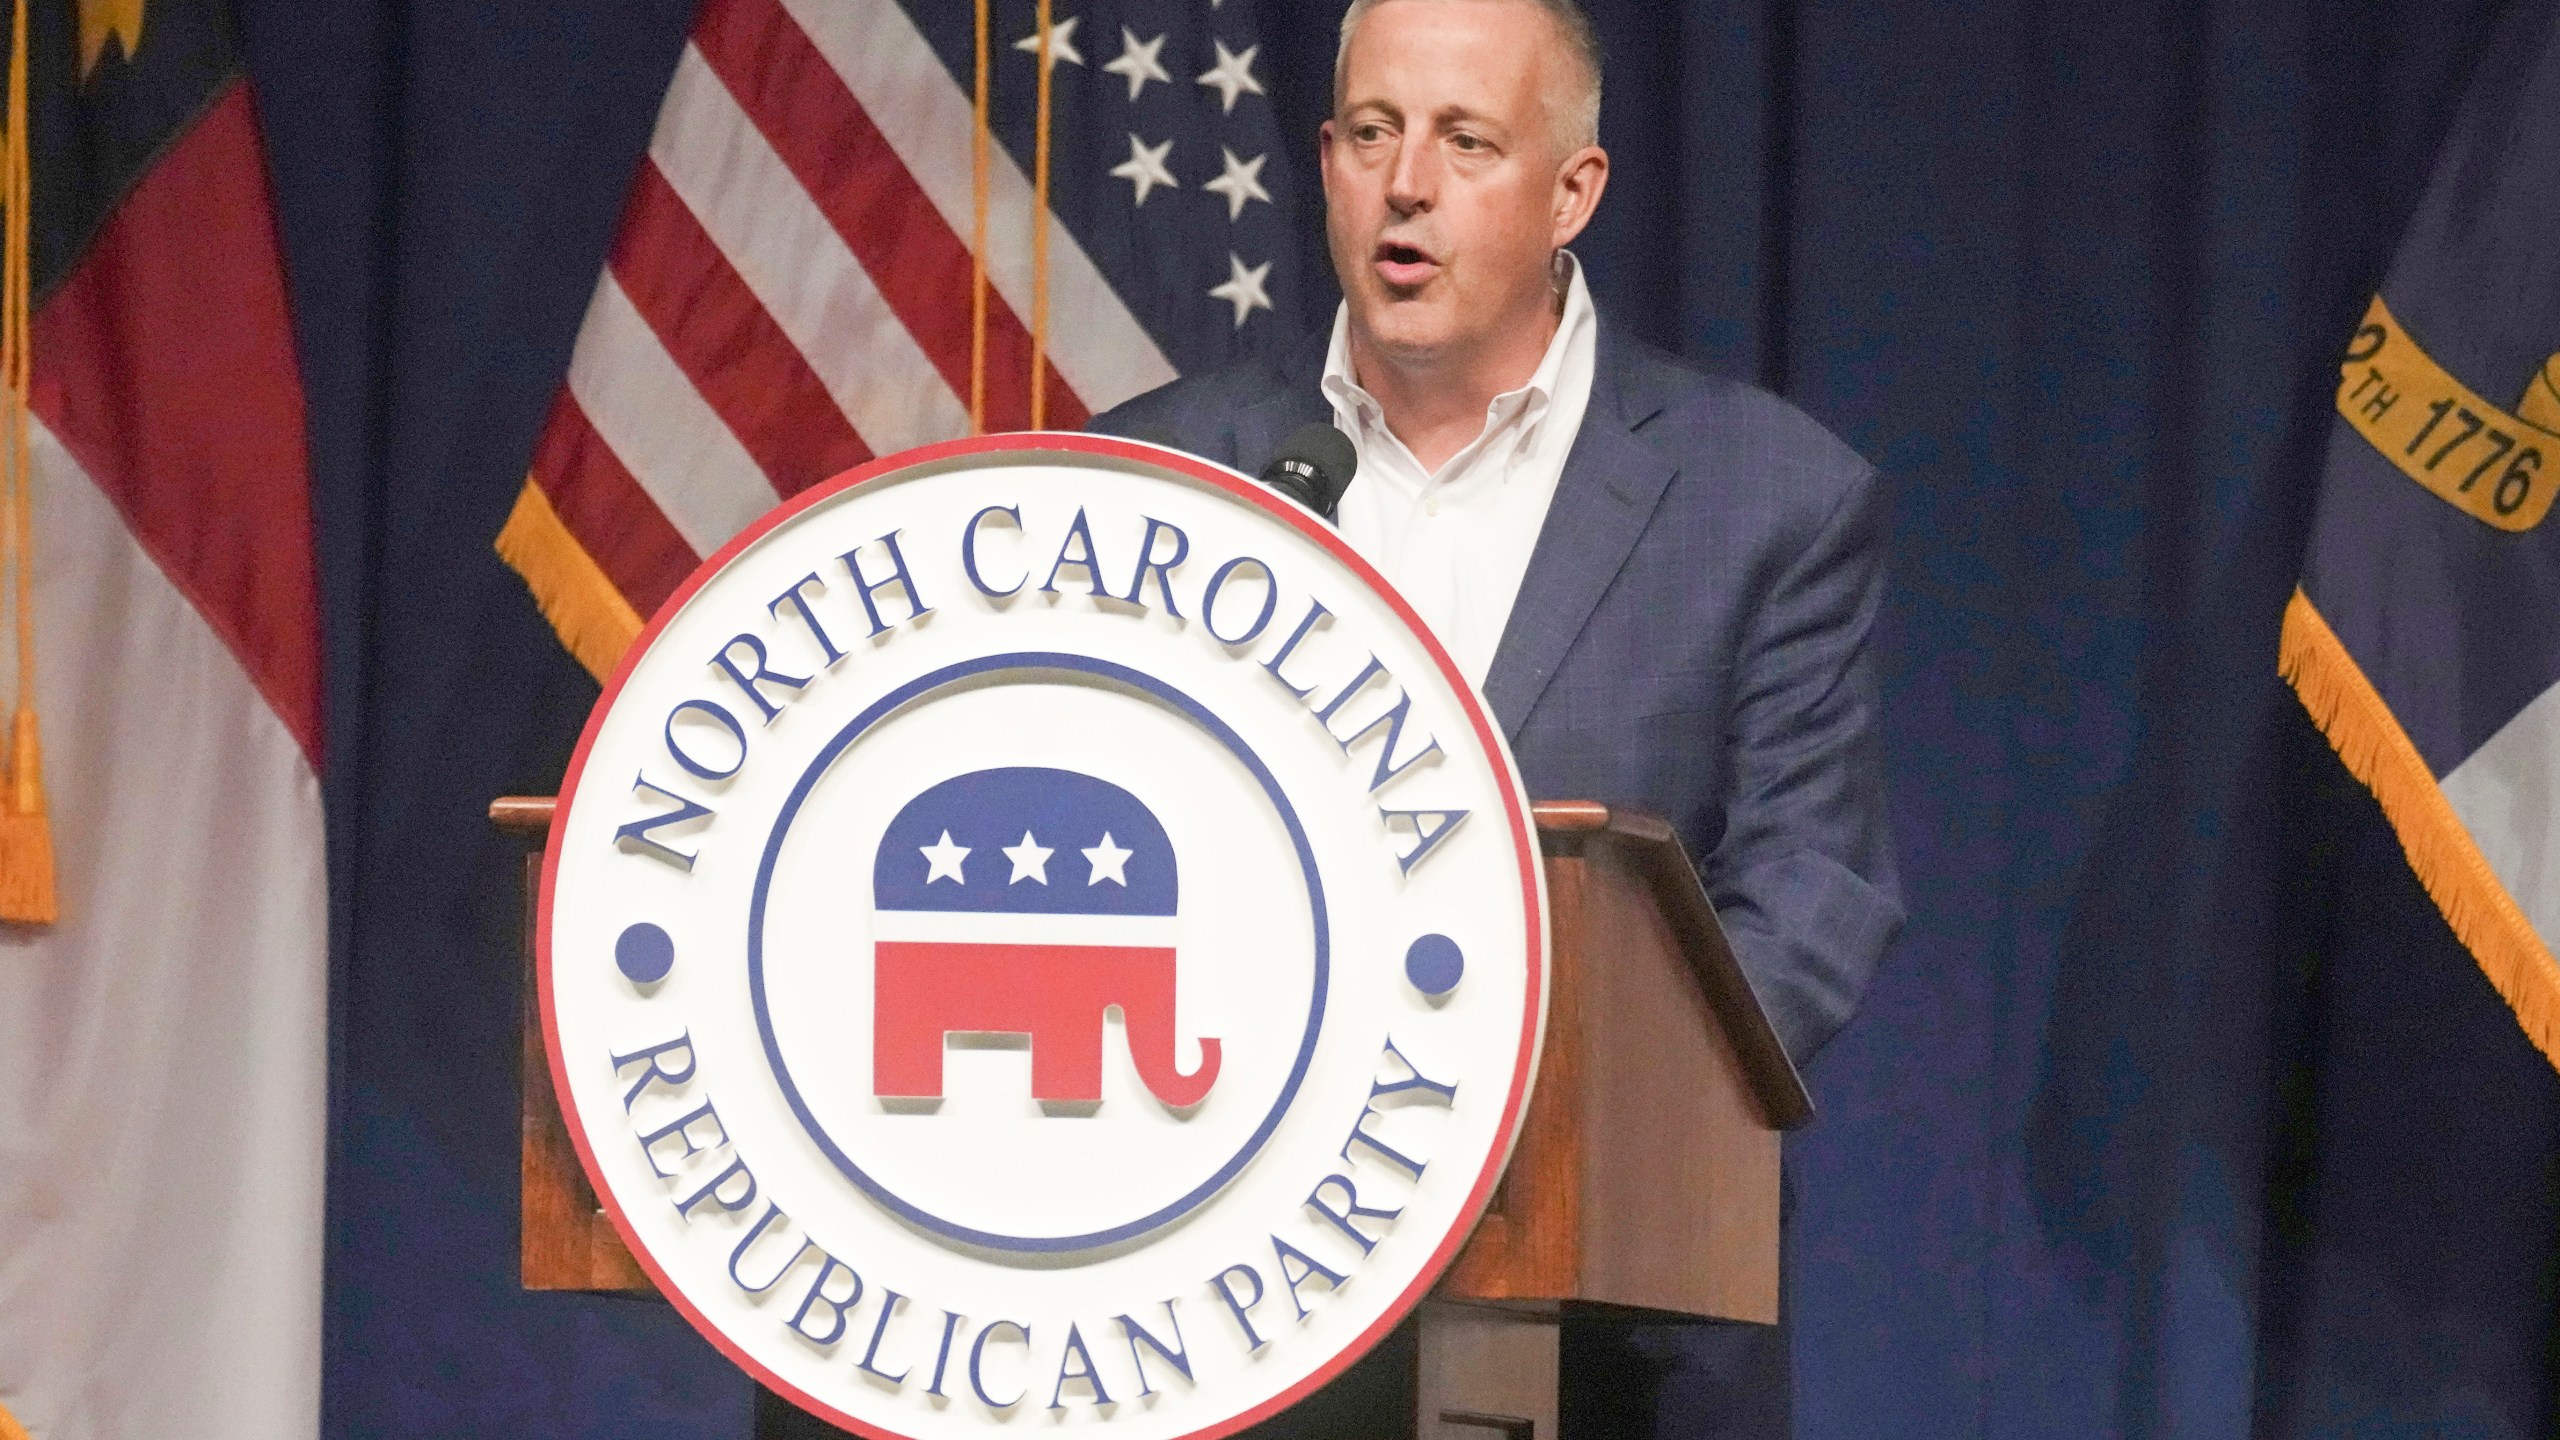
point(1055, 994)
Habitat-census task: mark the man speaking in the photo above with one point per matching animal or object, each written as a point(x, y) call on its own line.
point(1665, 583)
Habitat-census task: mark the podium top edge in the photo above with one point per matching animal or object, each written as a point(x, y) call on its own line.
point(531, 814)
point(523, 814)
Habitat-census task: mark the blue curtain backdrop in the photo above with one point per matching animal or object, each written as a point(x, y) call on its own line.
point(2175, 1113)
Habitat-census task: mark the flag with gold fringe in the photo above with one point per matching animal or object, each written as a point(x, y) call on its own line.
point(2422, 635)
point(866, 225)
point(163, 885)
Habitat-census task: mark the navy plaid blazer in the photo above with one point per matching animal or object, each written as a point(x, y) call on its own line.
point(1692, 638)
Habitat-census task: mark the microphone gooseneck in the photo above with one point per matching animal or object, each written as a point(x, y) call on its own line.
point(1313, 467)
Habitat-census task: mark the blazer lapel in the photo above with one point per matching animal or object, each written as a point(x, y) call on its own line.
point(1297, 400)
point(1611, 483)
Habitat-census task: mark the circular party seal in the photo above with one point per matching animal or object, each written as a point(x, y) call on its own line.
point(1036, 928)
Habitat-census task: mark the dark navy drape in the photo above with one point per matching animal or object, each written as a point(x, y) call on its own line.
point(2176, 1112)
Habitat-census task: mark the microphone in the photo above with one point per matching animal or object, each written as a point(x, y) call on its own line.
point(1313, 467)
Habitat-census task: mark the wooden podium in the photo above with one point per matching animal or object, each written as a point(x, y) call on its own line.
point(1646, 1176)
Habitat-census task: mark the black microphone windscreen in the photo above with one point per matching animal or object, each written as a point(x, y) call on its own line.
point(1314, 466)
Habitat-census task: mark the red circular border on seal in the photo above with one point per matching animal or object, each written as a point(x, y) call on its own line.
point(1033, 443)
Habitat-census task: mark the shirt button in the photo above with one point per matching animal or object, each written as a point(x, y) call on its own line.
point(1431, 506)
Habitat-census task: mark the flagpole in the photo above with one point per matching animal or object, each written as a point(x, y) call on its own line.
point(1040, 235)
point(978, 141)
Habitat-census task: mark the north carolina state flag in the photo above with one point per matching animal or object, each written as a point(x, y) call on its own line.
point(162, 1055)
point(2420, 637)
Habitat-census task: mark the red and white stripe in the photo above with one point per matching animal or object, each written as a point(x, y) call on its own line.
point(790, 292)
point(163, 1075)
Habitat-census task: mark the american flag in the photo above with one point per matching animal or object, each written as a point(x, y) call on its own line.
point(792, 290)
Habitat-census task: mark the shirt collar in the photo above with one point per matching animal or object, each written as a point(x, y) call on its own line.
point(1531, 401)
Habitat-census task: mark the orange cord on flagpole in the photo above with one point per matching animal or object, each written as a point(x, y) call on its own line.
point(26, 836)
point(1040, 237)
point(978, 237)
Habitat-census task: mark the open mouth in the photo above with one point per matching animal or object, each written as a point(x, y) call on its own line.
point(1402, 265)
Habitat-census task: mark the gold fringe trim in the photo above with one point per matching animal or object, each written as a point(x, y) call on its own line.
point(589, 614)
point(10, 1429)
point(26, 836)
point(2457, 876)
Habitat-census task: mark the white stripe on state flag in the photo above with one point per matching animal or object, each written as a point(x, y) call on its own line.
point(645, 408)
point(2508, 795)
point(163, 1049)
point(800, 269)
point(1099, 348)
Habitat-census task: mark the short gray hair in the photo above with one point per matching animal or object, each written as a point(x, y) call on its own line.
point(1580, 112)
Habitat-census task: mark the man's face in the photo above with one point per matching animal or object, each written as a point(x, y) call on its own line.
point(1443, 203)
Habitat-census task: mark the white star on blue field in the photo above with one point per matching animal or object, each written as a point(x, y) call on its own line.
point(1029, 840)
point(1167, 168)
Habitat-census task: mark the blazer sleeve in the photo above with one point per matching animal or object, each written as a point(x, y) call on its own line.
point(1803, 875)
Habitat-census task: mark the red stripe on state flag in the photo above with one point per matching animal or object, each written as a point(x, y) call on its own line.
point(614, 520)
point(165, 363)
point(726, 343)
point(838, 154)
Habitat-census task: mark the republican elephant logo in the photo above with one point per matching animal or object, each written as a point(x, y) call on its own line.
point(1028, 902)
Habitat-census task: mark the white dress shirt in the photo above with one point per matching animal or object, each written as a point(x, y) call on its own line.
point(1456, 541)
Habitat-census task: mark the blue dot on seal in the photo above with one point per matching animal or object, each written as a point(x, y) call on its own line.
point(1434, 964)
point(645, 953)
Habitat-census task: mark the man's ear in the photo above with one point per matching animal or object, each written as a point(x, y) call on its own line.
point(1579, 183)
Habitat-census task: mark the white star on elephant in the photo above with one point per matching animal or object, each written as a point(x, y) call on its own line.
point(1109, 861)
point(1030, 860)
point(942, 861)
